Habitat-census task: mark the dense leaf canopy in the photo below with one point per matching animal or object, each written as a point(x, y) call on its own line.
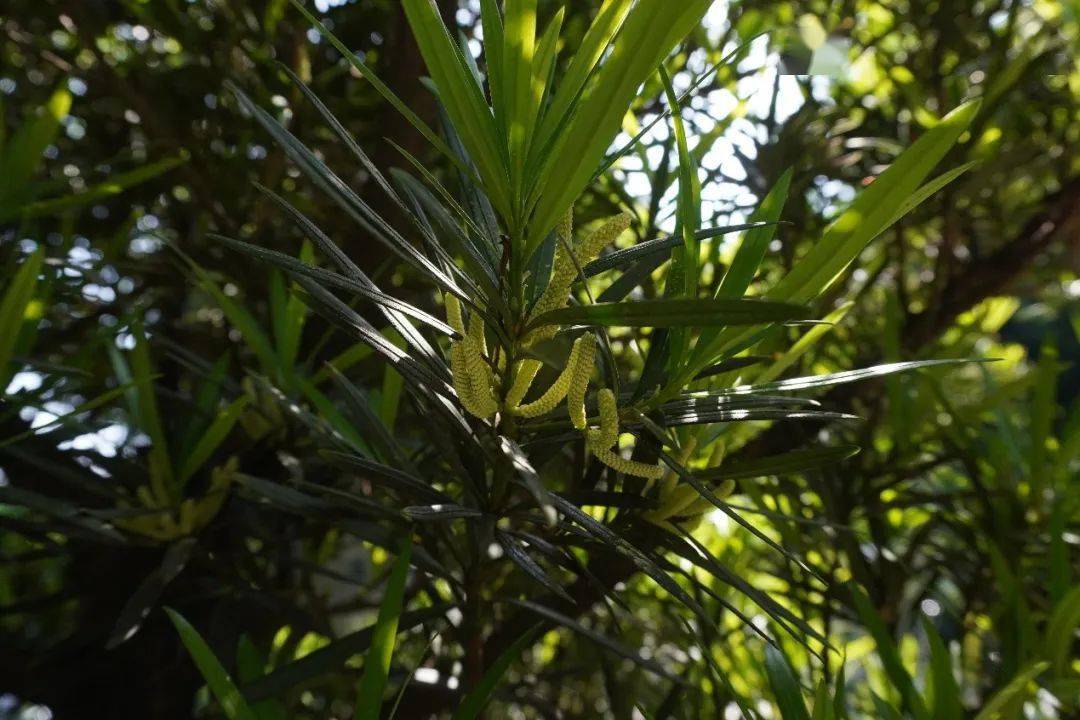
point(539, 359)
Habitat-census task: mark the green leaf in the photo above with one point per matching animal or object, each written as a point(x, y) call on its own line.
point(381, 87)
point(213, 437)
point(752, 249)
point(477, 699)
point(1017, 687)
point(492, 25)
point(251, 666)
point(745, 264)
point(71, 417)
point(597, 38)
point(784, 686)
point(331, 415)
point(330, 658)
point(24, 149)
point(676, 312)
point(377, 660)
point(543, 67)
point(390, 398)
point(651, 29)
point(946, 705)
point(650, 248)
point(839, 378)
point(1061, 632)
point(688, 204)
point(115, 185)
point(823, 705)
point(149, 418)
point(783, 464)
point(597, 637)
point(217, 679)
point(888, 653)
point(13, 307)
point(1058, 559)
point(804, 344)
point(462, 97)
point(1043, 411)
point(252, 334)
point(326, 278)
point(873, 211)
point(519, 45)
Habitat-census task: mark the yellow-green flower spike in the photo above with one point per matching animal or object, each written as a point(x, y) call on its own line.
point(608, 432)
point(669, 478)
point(565, 227)
point(579, 381)
point(524, 373)
point(603, 236)
point(564, 269)
point(479, 372)
point(555, 394)
point(462, 383)
point(675, 503)
point(453, 313)
point(627, 467)
point(703, 504)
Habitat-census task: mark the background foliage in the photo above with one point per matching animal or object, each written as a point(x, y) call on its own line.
point(139, 355)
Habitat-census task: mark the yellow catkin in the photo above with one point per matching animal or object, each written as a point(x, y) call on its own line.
point(579, 381)
point(564, 270)
point(703, 504)
point(525, 372)
point(603, 236)
point(453, 313)
point(671, 479)
point(471, 374)
point(479, 372)
point(554, 395)
point(463, 382)
point(608, 432)
point(676, 502)
point(565, 227)
point(627, 467)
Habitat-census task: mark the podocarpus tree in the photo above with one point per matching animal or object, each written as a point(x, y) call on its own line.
point(550, 463)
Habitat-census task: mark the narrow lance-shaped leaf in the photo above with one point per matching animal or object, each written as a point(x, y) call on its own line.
point(839, 378)
point(675, 312)
point(1017, 687)
point(478, 697)
point(217, 679)
point(461, 97)
point(13, 307)
point(161, 471)
point(599, 638)
point(889, 654)
point(663, 245)
point(651, 29)
point(377, 660)
point(23, 151)
point(752, 250)
point(211, 439)
point(115, 185)
point(784, 685)
point(873, 210)
point(688, 208)
point(783, 464)
point(946, 705)
point(388, 94)
point(601, 30)
point(519, 45)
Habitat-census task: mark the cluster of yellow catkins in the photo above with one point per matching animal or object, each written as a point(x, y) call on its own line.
point(474, 376)
point(681, 503)
point(163, 521)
